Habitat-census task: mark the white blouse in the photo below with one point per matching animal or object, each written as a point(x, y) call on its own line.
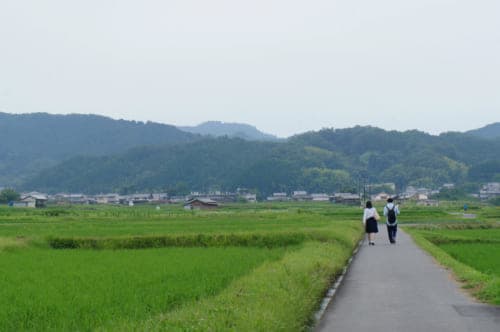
point(369, 213)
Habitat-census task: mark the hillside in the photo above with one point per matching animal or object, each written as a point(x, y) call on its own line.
point(238, 130)
point(325, 161)
point(31, 142)
point(490, 131)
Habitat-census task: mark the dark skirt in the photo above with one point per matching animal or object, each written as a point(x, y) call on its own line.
point(371, 225)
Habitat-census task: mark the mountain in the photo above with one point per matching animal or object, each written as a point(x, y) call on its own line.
point(489, 131)
point(218, 129)
point(325, 161)
point(31, 142)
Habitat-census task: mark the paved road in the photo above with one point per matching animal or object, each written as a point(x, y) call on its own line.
point(400, 288)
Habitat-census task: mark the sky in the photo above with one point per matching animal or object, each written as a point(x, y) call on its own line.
point(284, 66)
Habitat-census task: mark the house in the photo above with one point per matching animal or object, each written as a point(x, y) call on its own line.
point(428, 202)
point(320, 197)
point(250, 198)
point(107, 199)
point(490, 190)
point(71, 198)
point(278, 197)
point(416, 194)
point(218, 196)
point(346, 198)
point(300, 195)
point(380, 197)
point(200, 204)
point(35, 200)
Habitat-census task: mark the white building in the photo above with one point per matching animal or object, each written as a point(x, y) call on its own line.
point(320, 197)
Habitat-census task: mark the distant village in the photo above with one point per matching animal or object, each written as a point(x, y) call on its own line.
point(208, 200)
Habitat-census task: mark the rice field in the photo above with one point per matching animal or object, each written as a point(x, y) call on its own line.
point(121, 268)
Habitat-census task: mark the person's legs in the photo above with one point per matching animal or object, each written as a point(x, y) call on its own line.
point(371, 236)
point(389, 232)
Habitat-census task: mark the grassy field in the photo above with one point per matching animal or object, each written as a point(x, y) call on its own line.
point(471, 250)
point(243, 267)
point(82, 289)
point(484, 257)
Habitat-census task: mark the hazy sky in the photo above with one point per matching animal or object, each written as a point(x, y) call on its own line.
point(285, 66)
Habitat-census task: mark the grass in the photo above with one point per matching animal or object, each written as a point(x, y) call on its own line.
point(278, 296)
point(115, 221)
point(484, 257)
point(83, 289)
point(9, 243)
point(244, 267)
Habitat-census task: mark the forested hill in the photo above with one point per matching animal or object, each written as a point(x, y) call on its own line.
point(240, 130)
point(489, 131)
point(31, 142)
point(324, 161)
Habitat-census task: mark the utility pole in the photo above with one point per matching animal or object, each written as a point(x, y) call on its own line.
point(364, 191)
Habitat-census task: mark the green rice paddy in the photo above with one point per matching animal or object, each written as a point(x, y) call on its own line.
point(121, 268)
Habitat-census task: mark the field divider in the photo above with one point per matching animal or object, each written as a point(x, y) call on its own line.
point(277, 296)
point(261, 239)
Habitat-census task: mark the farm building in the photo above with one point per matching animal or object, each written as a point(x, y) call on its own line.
point(200, 204)
point(31, 201)
point(320, 197)
point(380, 197)
point(300, 195)
point(278, 197)
point(346, 198)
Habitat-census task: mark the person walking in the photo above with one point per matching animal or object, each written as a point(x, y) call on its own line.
point(370, 219)
point(391, 211)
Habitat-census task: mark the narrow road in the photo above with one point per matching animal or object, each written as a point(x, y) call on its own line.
point(400, 288)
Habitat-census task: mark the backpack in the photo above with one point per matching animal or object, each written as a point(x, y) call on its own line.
point(391, 215)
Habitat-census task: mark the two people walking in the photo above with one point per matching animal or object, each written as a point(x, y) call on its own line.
point(371, 218)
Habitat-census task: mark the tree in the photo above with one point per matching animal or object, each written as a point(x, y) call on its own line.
point(8, 195)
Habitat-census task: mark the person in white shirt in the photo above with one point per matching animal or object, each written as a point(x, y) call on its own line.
point(370, 220)
point(391, 211)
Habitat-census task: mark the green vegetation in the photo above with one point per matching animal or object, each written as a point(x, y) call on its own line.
point(276, 297)
point(93, 154)
point(484, 257)
point(7, 195)
point(31, 142)
point(81, 290)
point(244, 267)
point(471, 250)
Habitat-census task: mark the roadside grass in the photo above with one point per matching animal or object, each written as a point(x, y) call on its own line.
point(79, 290)
point(278, 296)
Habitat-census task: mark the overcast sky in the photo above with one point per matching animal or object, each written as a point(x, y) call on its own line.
point(284, 66)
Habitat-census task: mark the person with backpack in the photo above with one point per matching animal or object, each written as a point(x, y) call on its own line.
point(391, 211)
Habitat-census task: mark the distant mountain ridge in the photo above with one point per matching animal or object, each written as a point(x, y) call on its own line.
point(31, 142)
point(239, 130)
point(91, 153)
point(490, 131)
point(330, 160)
